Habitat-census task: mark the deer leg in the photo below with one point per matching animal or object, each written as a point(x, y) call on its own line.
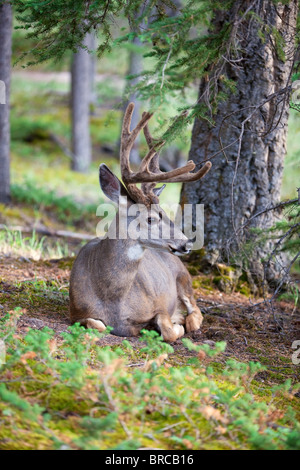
point(194, 318)
point(170, 332)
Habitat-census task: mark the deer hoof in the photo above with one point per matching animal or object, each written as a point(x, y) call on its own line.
point(193, 322)
point(95, 324)
point(179, 330)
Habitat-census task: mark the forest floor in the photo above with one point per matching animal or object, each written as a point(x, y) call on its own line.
point(252, 330)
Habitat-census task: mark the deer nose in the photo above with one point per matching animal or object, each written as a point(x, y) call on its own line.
point(188, 246)
point(183, 249)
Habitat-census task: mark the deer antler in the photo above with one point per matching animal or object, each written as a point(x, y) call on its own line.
point(149, 173)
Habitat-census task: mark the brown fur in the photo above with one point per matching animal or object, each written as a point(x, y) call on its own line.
point(110, 288)
point(131, 295)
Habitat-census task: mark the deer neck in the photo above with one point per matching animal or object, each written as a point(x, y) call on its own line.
point(119, 262)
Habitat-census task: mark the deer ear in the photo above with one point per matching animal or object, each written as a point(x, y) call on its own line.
point(111, 185)
point(158, 191)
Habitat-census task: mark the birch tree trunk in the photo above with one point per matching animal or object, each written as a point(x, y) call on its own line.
point(247, 180)
point(5, 70)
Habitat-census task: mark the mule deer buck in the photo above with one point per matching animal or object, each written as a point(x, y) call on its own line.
point(132, 284)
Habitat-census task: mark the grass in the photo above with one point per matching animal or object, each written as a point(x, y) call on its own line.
point(16, 244)
point(66, 208)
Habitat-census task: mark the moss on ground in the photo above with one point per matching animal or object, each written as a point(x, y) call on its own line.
point(81, 415)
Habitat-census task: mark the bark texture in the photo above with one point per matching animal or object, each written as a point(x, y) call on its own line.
point(81, 98)
point(5, 70)
point(248, 178)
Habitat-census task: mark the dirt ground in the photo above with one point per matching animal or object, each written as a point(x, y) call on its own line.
point(252, 329)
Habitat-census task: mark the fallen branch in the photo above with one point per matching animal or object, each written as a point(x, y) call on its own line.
point(41, 230)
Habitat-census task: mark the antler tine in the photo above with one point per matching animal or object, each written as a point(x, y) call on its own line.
point(149, 173)
point(128, 138)
point(190, 177)
point(154, 165)
point(153, 155)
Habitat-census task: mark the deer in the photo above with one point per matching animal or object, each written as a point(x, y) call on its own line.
point(141, 283)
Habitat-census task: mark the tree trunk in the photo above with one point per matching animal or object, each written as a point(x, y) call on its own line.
point(5, 70)
point(93, 72)
point(247, 179)
point(81, 97)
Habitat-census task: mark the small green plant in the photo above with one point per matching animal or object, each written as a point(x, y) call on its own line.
point(291, 296)
point(67, 392)
point(155, 344)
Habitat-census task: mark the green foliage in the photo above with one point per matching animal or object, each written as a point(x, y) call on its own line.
point(292, 295)
point(220, 348)
point(155, 344)
point(14, 242)
point(65, 207)
point(64, 24)
point(289, 228)
point(285, 233)
point(291, 175)
point(284, 236)
point(181, 45)
point(25, 130)
point(66, 392)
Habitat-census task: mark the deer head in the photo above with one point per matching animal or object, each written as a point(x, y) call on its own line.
point(155, 222)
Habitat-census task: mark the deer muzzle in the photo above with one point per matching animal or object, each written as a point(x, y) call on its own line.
point(181, 249)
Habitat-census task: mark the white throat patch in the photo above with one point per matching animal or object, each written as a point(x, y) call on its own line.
point(135, 253)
